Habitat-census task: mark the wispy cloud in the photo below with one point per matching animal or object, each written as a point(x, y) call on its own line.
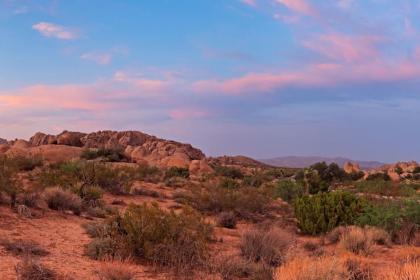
point(100, 58)
point(299, 6)
point(250, 2)
point(52, 30)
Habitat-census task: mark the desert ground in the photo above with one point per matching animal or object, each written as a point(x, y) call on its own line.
point(126, 205)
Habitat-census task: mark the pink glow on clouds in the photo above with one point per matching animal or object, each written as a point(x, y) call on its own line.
point(48, 29)
point(347, 48)
point(250, 2)
point(146, 85)
point(99, 58)
point(300, 6)
point(319, 75)
point(188, 113)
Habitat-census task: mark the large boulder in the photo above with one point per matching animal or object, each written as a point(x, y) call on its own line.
point(69, 138)
point(42, 139)
point(199, 167)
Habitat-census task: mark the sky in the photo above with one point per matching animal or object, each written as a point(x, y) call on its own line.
point(261, 78)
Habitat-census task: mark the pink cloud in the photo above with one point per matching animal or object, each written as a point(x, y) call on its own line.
point(188, 113)
point(252, 3)
point(100, 58)
point(53, 97)
point(299, 6)
point(317, 75)
point(55, 31)
point(147, 85)
point(347, 48)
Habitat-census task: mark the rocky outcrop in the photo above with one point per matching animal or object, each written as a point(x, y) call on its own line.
point(350, 167)
point(140, 147)
point(3, 141)
point(42, 139)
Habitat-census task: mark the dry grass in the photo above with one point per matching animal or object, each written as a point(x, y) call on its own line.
point(115, 271)
point(29, 269)
point(227, 220)
point(406, 271)
point(357, 241)
point(324, 268)
point(269, 246)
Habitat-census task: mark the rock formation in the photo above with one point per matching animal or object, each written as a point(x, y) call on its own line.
point(351, 167)
point(3, 141)
point(138, 146)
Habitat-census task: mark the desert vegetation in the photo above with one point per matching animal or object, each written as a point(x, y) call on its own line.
point(232, 222)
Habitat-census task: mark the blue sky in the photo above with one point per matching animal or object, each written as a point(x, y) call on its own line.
point(262, 78)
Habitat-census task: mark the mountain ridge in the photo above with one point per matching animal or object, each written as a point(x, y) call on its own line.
point(305, 161)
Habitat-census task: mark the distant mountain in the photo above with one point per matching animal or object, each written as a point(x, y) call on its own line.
point(301, 161)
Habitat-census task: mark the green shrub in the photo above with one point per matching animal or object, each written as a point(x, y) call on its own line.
point(110, 155)
point(378, 176)
point(228, 183)
point(288, 190)
point(27, 163)
point(177, 172)
point(230, 172)
point(394, 217)
point(255, 180)
point(8, 184)
point(149, 233)
point(322, 212)
point(148, 173)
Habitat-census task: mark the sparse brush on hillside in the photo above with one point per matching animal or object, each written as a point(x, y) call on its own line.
point(71, 175)
point(227, 171)
point(322, 212)
point(245, 202)
point(9, 186)
point(385, 188)
point(177, 172)
point(178, 241)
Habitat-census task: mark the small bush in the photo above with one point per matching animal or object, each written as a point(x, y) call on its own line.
point(59, 199)
point(378, 176)
point(288, 190)
point(27, 163)
point(322, 212)
point(147, 192)
point(29, 269)
point(357, 241)
point(269, 247)
point(177, 172)
point(230, 172)
point(22, 248)
point(227, 220)
point(400, 219)
point(148, 173)
point(179, 241)
point(110, 155)
point(228, 183)
point(334, 235)
point(115, 271)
